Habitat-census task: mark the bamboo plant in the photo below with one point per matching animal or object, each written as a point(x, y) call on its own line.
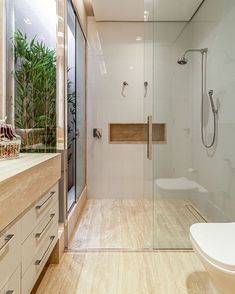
point(35, 99)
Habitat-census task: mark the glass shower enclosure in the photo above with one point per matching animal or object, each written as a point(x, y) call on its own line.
point(76, 109)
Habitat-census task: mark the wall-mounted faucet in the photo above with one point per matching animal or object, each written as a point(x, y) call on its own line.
point(145, 88)
point(124, 85)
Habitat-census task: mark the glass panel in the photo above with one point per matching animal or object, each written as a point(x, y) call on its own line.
point(31, 81)
point(71, 107)
point(147, 86)
point(194, 183)
point(80, 111)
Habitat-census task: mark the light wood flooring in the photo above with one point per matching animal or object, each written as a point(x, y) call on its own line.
point(126, 273)
point(135, 224)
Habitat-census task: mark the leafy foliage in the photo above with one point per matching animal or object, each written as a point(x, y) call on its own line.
point(71, 100)
point(35, 101)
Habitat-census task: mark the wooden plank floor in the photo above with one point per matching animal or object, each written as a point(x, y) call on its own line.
point(130, 224)
point(126, 273)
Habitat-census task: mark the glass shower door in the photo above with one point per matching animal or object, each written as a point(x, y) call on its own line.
point(148, 159)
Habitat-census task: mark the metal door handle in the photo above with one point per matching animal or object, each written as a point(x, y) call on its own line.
point(150, 138)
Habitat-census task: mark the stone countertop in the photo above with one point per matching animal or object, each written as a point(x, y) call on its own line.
point(23, 181)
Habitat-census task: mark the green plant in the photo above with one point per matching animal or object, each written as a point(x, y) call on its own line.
point(71, 100)
point(35, 99)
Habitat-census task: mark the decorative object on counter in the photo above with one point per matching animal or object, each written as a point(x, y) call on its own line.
point(9, 141)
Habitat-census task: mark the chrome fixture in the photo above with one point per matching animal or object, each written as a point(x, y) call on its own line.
point(97, 133)
point(210, 93)
point(124, 85)
point(145, 88)
point(182, 61)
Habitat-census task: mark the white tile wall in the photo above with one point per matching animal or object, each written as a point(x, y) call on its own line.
point(114, 56)
point(212, 27)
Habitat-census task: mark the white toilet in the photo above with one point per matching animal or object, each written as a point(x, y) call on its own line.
point(215, 245)
point(178, 187)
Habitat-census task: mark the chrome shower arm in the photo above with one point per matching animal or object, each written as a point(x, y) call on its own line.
point(202, 51)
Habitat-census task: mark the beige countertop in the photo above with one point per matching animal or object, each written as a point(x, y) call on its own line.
point(23, 181)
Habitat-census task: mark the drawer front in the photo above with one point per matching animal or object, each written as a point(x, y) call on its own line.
point(37, 213)
point(39, 235)
point(9, 252)
point(32, 273)
point(13, 284)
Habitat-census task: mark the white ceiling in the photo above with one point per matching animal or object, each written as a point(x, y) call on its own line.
point(133, 10)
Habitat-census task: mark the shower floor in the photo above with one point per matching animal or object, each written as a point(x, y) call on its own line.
point(129, 224)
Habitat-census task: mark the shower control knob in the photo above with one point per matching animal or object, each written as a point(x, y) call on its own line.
point(97, 133)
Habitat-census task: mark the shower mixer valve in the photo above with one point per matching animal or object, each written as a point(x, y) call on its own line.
point(97, 133)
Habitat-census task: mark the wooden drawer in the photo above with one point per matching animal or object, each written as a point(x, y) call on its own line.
point(38, 236)
point(32, 273)
point(37, 213)
point(9, 252)
point(13, 284)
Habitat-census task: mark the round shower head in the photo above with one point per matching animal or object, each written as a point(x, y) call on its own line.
point(182, 61)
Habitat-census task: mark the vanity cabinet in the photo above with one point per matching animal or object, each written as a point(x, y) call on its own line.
point(26, 245)
point(10, 256)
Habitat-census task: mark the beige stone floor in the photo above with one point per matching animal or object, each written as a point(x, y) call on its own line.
point(126, 273)
point(129, 224)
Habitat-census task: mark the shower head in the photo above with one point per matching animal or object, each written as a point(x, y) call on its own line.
point(182, 60)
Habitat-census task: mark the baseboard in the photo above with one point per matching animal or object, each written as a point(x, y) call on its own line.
point(75, 213)
point(58, 250)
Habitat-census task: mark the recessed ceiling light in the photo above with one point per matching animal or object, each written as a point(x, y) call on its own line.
point(138, 38)
point(27, 21)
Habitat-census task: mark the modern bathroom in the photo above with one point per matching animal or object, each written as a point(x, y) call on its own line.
point(117, 146)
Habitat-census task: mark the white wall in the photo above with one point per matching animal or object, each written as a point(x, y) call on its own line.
point(122, 171)
point(169, 101)
point(212, 27)
point(114, 56)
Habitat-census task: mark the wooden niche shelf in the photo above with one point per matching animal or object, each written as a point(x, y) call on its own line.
point(135, 133)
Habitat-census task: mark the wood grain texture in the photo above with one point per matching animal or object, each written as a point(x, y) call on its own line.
point(131, 224)
point(113, 224)
point(23, 181)
point(126, 273)
point(135, 133)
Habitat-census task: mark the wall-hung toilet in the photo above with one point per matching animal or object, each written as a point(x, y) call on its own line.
point(178, 187)
point(214, 243)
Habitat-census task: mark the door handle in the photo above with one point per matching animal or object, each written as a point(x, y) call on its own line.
point(150, 137)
